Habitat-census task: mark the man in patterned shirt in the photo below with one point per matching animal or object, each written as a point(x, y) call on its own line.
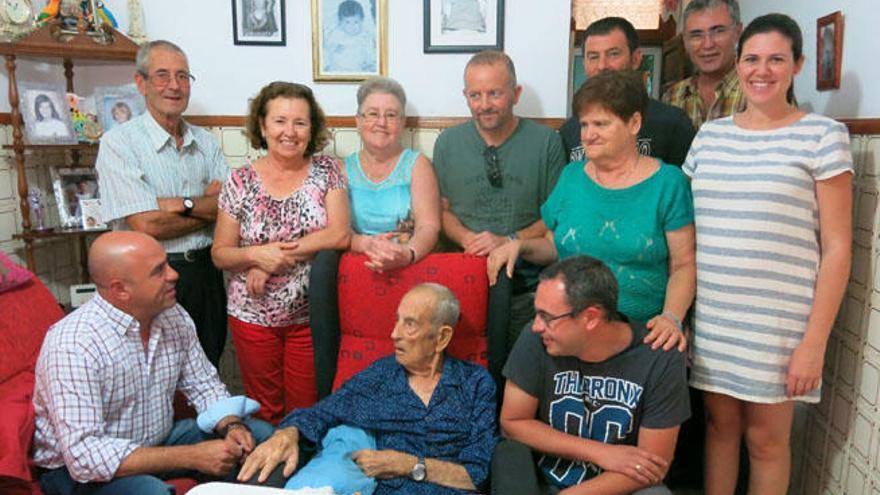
point(106, 377)
point(162, 176)
point(711, 30)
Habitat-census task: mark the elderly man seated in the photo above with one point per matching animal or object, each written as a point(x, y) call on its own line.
point(106, 377)
point(432, 416)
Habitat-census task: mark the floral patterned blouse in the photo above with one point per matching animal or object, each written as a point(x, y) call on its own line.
point(264, 219)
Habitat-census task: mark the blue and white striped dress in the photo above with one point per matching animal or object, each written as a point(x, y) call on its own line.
point(757, 223)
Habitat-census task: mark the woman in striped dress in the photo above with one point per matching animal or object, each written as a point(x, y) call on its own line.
point(772, 203)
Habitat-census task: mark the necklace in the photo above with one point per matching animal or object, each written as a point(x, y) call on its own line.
point(622, 181)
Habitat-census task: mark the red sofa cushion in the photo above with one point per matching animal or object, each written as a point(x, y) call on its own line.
point(28, 312)
point(16, 425)
point(368, 307)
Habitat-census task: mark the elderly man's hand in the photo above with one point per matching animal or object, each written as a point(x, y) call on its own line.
point(384, 464)
point(282, 446)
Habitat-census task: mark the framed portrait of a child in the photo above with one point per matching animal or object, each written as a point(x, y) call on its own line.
point(118, 104)
point(46, 114)
point(348, 39)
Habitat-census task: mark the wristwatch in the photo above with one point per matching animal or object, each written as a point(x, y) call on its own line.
point(188, 206)
point(419, 472)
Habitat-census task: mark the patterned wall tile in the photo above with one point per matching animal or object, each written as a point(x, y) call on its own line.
point(869, 377)
point(346, 142)
point(856, 482)
point(234, 143)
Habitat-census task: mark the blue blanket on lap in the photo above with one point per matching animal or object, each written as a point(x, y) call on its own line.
point(333, 466)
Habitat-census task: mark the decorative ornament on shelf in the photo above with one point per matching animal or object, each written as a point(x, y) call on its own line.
point(84, 118)
point(35, 201)
point(68, 19)
point(16, 19)
point(136, 22)
point(106, 16)
point(49, 12)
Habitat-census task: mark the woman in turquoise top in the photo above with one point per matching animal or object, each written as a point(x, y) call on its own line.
point(631, 211)
point(395, 201)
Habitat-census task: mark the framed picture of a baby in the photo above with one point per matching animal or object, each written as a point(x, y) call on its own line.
point(258, 22)
point(348, 39)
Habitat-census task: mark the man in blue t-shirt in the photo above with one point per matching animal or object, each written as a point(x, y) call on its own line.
point(599, 409)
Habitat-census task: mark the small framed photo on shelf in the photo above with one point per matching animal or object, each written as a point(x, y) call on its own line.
point(348, 39)
point(118, 104)
point(829, 50)
point(258, 22)
point(463, 26)
point(46, 114)
point(74, 188)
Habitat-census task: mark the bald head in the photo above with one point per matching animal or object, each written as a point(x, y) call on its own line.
point(112, 254)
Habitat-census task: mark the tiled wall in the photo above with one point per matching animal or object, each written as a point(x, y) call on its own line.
point(837, 442)
point(838, 448)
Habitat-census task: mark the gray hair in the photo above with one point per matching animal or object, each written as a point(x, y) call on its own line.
point(698, 5)
point(492, 57)
point(383, 85)
point(142, 60)
point(446, 307)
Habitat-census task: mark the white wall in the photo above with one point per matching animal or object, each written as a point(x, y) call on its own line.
point(857, 96)
point(536, 37)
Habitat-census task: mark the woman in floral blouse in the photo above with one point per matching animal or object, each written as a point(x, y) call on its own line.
point(274, 214)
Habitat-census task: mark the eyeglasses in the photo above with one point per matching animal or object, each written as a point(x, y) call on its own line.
point(162, 78)
point(697, 37)
point(374, 116)
point(547, 318)
point(493, 166)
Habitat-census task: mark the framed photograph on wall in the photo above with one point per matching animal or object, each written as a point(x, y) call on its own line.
point(258, 22)
point(651, 68)
point(348, 39)
point(118, 104)
point(463, 26)
point(829, 50)
point(46, 114)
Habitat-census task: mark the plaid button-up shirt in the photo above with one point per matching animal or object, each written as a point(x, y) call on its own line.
point(99, 394)
point(685, 94)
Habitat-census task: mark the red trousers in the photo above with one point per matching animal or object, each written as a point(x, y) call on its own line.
point(277, 366)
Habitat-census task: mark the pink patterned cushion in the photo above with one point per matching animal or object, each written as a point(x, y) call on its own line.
point(12, 275)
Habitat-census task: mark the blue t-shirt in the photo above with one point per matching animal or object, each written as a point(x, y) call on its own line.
point(380, 207)
point(625, 228)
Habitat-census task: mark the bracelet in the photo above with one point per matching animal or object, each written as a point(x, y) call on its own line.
point(222, 432)
point(412, 255)
point(673, 319)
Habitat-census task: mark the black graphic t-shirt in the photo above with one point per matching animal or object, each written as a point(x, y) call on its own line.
point(607, 402)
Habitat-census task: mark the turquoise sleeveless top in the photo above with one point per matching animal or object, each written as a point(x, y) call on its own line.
point(379, 207)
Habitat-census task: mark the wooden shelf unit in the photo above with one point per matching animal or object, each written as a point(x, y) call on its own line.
point(42, 44)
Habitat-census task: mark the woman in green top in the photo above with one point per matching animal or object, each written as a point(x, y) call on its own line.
point(629, 210)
